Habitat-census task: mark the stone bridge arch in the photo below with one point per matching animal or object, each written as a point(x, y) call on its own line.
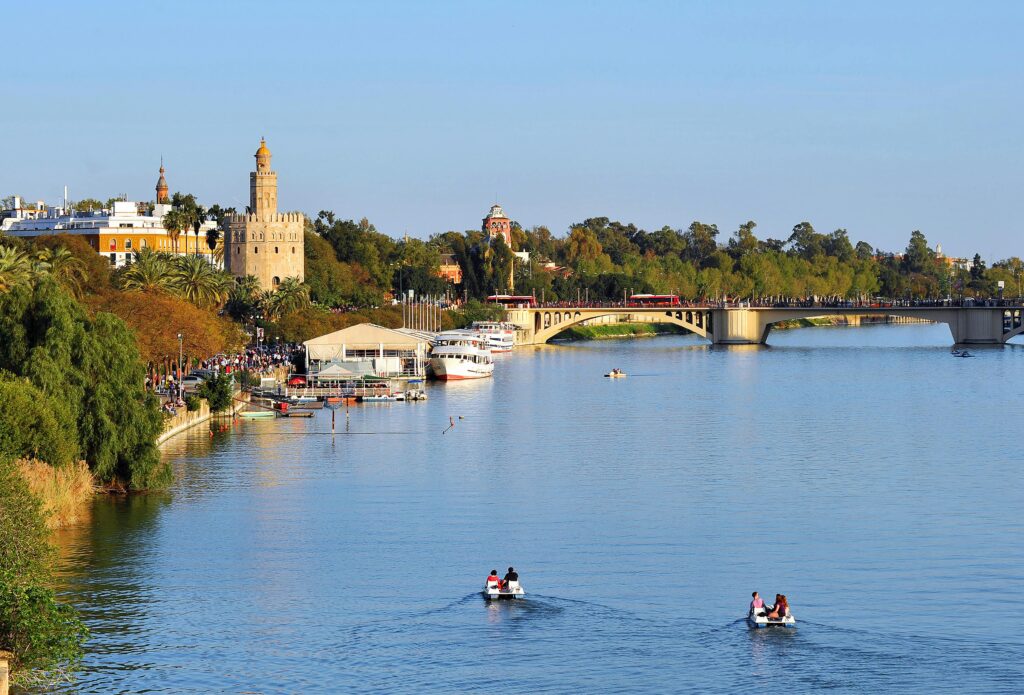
point(547, 323)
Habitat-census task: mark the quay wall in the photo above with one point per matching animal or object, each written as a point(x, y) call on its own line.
point(186, 420)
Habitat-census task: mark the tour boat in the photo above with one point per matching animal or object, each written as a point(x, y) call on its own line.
point(501, 336)
point(460, 355)
point(491, 591)
point(761, 619)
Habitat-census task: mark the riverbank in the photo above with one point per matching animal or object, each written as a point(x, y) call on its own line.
point(846, 320)
point(608, 331)
point(63, 491)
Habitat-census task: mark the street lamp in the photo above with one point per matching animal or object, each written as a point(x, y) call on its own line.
point(181, 337)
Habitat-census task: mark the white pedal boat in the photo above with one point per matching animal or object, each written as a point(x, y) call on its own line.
point(491, 592)
point(761, 619)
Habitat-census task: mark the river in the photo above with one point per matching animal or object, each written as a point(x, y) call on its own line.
point(864, 472)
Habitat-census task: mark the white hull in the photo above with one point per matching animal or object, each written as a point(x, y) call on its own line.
point(761, 620)
point(454, 369)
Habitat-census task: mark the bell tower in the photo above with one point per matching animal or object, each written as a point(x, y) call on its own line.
point(161, 186)
point(263, 185)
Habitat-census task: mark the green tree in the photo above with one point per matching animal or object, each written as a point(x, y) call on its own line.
point(15, 268)
point(64, 267)
point(289, 296)
point(218, 392)
point(194, 279)
point(93, 366)
point(150, 271)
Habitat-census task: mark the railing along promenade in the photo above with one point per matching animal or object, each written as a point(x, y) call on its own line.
point(972, 321)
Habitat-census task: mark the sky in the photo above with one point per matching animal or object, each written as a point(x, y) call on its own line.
point(880, 118)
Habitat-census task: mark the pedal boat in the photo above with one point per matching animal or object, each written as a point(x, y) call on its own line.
point(491, 592)
point(761, 620)
point(616, 375)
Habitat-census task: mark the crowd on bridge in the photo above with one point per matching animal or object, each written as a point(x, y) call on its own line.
point(786, 302)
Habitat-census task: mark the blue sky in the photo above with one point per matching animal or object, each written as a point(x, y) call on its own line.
point(877, 117)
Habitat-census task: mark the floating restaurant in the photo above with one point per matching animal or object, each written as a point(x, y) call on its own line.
point(365, 350)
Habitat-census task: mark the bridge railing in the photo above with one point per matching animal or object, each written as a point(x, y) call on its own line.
point(795, 303)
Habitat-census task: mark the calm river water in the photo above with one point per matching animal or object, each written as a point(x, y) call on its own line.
point(864, 472)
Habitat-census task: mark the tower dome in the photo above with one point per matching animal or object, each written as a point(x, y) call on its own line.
point(263, 156)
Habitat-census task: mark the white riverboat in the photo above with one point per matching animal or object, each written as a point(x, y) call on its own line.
point(460, 355)
point(500, 335)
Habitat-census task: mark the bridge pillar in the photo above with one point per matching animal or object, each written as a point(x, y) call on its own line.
point(739, 326)
point(977, 326)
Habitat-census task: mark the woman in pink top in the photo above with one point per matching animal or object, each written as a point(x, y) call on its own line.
point(757, 605)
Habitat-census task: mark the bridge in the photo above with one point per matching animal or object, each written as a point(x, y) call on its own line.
point(990, 324)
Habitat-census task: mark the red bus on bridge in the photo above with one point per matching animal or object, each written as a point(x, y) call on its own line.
point(513, 301)
point(658, 300)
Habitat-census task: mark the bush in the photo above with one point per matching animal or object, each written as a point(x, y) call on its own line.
point(192, 403)
point(218, 392)
point(35, 627)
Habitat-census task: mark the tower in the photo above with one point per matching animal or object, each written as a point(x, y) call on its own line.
point(161, 186)
point(263, 184)
point(496, 224)
point(263, 242)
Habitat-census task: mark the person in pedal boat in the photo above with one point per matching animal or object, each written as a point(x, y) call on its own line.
point(493, 579)
point(510, 576)
point(780, 609)
point(757, 605)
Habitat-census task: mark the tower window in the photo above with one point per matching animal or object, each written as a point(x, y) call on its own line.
point(275, 249)
point(237, 250)
point(255, 249)
point(293, 249)
point(277, 281)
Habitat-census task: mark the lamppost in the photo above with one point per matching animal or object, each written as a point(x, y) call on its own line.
point(181, 337)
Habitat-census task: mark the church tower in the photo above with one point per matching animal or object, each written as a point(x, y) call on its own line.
point(161, 187)
point(263, 242)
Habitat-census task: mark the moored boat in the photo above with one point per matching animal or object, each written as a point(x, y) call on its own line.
point(460, 355)
point(500, 335)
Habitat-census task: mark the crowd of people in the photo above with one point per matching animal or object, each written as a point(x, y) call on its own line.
point(262, 359)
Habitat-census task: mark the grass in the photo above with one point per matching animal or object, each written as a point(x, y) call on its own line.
point(602, 331)
point(64, 491)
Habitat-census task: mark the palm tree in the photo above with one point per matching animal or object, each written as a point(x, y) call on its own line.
point(65, 267)
point(149, 271)
point(289, 296)
point(244, 298)
point(174, 222)
point(198, 215)
point(15, 268)
point(199, 282)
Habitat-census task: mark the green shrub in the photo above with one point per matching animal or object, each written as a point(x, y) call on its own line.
point(192, 402)
point(41, 632)
point(218, 392)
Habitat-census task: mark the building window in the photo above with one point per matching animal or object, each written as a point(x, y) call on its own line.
point(113, 244)
point(277, 281)
point(255, 249)
point(127, 244)
point(142, 243)
point(275, 249)
point(293, 249)
point(237, 250)
point(113, 259)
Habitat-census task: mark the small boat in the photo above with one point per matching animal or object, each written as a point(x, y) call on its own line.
point(296, 413)
point(761, 620)
point(616, 374)
point(491, 592)
point(250, 414)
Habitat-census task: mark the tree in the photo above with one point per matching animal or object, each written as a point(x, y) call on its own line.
point(918, 257)
point(289, 296)
point(218, 392)
point(92, 365)
point(87, 205)
point(150, 271)
point(175, 222)
point(199, 282)
point(65, 268)
point(15, 268)
point(700, 242)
